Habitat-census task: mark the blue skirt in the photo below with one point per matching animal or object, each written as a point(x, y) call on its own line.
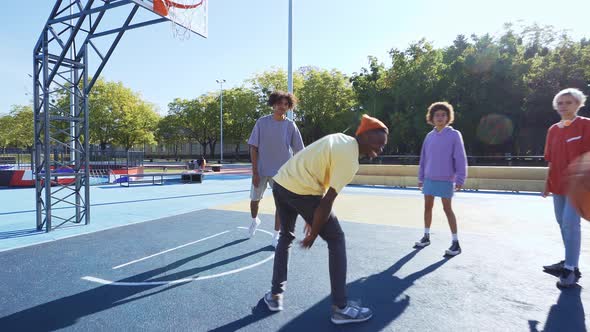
point(444, 189)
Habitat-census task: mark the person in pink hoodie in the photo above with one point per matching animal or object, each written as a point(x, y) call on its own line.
point(443, 169)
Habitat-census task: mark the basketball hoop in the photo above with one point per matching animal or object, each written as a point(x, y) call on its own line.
point(183, 14)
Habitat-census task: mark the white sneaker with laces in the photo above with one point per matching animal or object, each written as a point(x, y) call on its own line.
point(275, 240)
point(253, 226)
point(352, 313)
point(274, 302)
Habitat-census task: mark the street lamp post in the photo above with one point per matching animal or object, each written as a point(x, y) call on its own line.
point(221, 118)
point(290, 55)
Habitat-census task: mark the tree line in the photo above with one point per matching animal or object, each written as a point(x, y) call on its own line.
point(501, 88)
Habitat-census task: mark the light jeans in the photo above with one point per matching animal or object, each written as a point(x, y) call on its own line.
point(569, 223)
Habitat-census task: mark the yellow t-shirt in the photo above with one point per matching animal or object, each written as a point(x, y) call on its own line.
point(331, 161)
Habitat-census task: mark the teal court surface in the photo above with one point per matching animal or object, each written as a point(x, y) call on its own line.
point(177, 257)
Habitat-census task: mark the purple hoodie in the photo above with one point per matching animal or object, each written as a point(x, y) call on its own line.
point(443, 157)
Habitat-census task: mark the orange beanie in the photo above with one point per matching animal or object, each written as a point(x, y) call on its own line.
point(370, 123)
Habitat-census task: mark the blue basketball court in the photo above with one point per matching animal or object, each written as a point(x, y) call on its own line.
point(177, 257)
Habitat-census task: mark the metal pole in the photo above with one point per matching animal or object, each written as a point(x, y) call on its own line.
point(86, 129)
point(72, 98)
point(290, 56)
point(221, 121)
point(46, 128)
point(77, 149)
point(36, 159)
point(221, 118)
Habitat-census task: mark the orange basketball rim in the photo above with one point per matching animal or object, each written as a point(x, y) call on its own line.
point(161, 6)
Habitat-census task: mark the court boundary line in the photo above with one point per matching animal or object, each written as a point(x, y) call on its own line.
point(184, 280)
point(168, 250)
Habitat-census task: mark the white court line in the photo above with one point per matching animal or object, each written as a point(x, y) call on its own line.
point(179, 281)
point(169, 250)
point(149, 283)
point(258, 230)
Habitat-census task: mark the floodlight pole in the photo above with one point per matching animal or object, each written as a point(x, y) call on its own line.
point(221, 117)
point(290, 56)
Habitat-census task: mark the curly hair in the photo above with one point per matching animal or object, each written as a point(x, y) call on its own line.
point(277, 96)
point(440, 106)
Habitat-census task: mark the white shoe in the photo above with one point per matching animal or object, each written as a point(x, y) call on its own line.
point(275, 240)
point(352, 313)
point(254, 226)
point(454, 250)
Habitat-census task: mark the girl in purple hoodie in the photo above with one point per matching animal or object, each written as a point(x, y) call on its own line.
point(443, 169)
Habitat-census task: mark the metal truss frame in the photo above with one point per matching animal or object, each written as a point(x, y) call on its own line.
point(69, 56)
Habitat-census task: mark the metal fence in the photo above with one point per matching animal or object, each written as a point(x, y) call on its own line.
point(101, 162)
point(115, 159)
point(15, 158)
point(99, 159)
point(517, 161)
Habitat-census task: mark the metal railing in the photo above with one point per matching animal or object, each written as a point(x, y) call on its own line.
point(516, 161)
point(15, 158)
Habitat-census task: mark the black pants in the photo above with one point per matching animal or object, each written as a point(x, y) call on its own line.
point(289, 205)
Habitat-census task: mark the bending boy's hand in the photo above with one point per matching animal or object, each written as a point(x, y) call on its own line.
point(308, 241)
point(306, 229)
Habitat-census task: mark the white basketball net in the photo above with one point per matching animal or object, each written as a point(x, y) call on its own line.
point(187, 16)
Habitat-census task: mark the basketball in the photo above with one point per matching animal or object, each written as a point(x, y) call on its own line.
point(579, 185)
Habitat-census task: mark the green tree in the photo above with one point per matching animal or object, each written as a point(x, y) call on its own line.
point(170, 131)
point(240, 108)
point(500, 86)
point(265, 83)
point(211, 115)
point(565, 65)
point(6, 125)
point(200, 119)
point(136, 125)
point(21, 126)
point(413, 83)
point(190, 117)
point(327, 103)
point(117, 115)
point(107, 102)
point(369, 86)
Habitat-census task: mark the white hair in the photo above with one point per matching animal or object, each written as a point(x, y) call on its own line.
point(575, 93)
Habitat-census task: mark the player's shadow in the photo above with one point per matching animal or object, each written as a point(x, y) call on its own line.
point(382, 292)
point(565, 315)
point(66, 311)
point(259, 312)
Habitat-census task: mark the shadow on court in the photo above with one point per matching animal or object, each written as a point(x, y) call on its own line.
point(382, 292)
point(65, 312)
point(20, 233)
point(565, 315)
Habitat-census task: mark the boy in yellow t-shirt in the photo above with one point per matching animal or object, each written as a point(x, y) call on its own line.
point(307, 185)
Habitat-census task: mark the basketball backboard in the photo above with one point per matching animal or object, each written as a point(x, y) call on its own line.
point(189, 14)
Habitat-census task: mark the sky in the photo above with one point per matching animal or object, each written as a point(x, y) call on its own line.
point(248, 37)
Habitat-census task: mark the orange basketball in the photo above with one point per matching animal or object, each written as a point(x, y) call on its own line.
point(579, 185)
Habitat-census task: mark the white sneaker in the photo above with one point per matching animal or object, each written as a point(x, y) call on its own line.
point(352, 313)
point(275, 240)
point(254, 226)
point(454, 250)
